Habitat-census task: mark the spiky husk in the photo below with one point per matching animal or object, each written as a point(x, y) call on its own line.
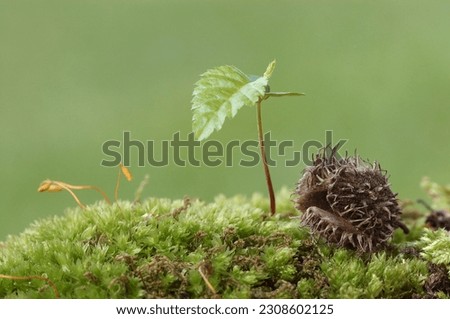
point(348, 201)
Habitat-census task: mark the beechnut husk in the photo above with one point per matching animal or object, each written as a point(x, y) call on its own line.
point(348, 201)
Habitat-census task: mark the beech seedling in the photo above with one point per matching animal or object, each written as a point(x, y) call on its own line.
point(221, 92)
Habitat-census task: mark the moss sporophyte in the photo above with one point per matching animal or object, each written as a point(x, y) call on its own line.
point(57, 186)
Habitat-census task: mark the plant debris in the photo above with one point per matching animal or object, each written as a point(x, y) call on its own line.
point(348, 201)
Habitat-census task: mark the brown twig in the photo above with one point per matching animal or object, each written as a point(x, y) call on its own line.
point(205, 279)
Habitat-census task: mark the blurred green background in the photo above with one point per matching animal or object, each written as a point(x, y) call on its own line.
point(74, 74)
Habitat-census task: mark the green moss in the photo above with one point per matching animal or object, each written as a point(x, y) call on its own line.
point(380, 277)
point(436, 247)
point(156, 249)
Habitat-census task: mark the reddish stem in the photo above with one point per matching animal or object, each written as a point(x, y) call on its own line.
point(264, 159)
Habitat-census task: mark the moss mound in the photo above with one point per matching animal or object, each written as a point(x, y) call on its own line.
point(230, 248)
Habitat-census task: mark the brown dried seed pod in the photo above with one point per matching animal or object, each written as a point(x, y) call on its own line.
point(348, 201)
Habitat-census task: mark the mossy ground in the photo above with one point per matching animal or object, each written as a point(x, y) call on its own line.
point(161, 248)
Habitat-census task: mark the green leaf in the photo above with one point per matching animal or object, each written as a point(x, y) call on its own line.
point(270, 69)
point(220, 93)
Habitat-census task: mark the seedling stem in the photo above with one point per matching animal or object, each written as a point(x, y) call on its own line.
point(264, 159)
